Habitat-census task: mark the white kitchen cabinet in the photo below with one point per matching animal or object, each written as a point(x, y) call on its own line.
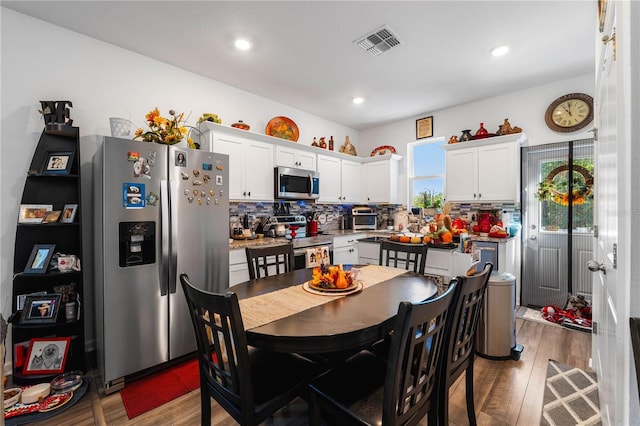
point(381, 181)
point(351, 181)
point(340, 180)
point(295, 158)
point(345, 249)
point(368, 253)
point(484, 170)
point(250, 167)
point(238, 268)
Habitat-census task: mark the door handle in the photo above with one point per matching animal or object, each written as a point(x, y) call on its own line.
point(595, 266)
point(533, 238)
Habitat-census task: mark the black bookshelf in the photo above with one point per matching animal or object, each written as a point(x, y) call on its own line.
point(57, 186)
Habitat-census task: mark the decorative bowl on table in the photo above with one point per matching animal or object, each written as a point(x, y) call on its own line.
point(332, 278)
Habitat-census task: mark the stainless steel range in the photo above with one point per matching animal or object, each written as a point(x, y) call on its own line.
point(301, 245)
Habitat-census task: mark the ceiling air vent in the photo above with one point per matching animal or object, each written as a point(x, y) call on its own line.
point(378, 41)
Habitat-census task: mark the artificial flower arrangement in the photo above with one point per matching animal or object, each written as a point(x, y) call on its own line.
point(164, 130)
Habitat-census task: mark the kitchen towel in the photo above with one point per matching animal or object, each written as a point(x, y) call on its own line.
point(317, 256)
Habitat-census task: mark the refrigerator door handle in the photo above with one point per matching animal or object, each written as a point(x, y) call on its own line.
point(173, 253)
point(164, 223)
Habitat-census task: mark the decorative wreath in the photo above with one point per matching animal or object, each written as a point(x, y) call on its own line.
point(547, 190)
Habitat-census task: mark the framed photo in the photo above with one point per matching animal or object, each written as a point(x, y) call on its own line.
point(33, 213)
point(41, 309)
point(22, 297)
point(47, 356)
point(51, 216)
point(69, 213)
point(424, 127)
point(58, 163)
point(39, 259)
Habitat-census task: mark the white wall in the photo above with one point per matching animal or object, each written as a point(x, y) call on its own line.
point(524, 109)
point(45, 62)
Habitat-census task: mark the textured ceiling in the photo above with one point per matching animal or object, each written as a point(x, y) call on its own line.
point(304, 53)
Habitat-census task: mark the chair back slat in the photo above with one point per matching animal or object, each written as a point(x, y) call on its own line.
point(260, 259)
point(416, 357)
point(469, 303)
point(409, 256)
point(222, 345)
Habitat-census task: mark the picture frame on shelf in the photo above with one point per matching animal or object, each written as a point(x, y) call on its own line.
point(52, 216)
point(39, 259)
point(424, 127)
point(69, 213)
point(40, 309)
point(33, 213)
point(20, 299)
point(47, 356)
point(58, 162)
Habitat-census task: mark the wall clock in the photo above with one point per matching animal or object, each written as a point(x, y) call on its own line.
point(570, 112)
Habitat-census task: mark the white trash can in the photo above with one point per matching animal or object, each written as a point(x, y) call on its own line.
point(496, 336)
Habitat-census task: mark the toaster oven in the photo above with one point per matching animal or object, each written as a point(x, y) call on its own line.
point(364, 218)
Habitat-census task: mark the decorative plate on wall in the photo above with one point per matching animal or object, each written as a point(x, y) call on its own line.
point(283, 128)
point(383, 150)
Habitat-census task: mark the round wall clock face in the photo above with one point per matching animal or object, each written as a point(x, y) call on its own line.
point(570, 112)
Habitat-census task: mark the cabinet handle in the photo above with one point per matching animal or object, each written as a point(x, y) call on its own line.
point(474, 195)
point(244, 193)
point(249, 193)
point(479, 195)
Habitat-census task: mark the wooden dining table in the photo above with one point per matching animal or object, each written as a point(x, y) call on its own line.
point(280, 314)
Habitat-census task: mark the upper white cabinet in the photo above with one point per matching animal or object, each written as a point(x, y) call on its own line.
point(351, 181)
point(343, 178)
point(484, 170)
point(250, 167)
point(295, 158)
point(340, 180)
point(381, 181)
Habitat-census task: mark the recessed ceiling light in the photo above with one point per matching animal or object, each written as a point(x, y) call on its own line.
point(242, 44)
point(357, 100)
point(500, 50)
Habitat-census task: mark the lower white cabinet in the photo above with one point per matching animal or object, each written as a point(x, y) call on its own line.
point(368, 253)
point(345, 249)
point(238, 268)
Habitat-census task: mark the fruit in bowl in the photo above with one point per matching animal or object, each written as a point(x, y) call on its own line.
point(325, 276)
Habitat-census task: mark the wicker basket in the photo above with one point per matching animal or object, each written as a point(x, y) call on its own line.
point(121, 128)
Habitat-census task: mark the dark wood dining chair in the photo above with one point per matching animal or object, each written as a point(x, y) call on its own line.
point(461, 345)
point(250, 384)
point(412, 255)
point(279, 257)
point(367, 389)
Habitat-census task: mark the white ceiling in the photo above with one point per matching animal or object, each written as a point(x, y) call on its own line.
point(304, 55)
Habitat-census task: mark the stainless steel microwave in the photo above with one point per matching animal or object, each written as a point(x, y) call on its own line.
point(296, 184)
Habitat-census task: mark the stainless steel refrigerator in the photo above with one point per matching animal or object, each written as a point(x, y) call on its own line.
point(159, 211)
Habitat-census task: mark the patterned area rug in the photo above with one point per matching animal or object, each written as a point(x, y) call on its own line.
point(570, 397)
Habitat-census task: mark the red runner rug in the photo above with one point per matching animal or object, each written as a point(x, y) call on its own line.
point(151, 392)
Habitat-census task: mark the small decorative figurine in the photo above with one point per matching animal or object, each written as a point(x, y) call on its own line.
point(331, 143)
point(453, 139)
point(506, 128)
point(323, 144)
point(481, 130)
point(315, 142)
point(348, 148)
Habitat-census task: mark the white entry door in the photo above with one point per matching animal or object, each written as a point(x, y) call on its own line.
point(615, 262)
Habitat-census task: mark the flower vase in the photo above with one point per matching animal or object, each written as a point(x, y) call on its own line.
point(466, 136)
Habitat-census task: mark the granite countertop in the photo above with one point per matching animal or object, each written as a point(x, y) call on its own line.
point(474, 237)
